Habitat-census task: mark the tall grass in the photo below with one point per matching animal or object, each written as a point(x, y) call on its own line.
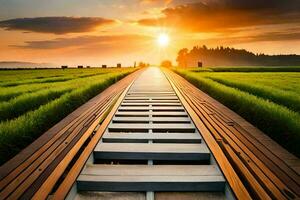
point(30, 86)
point(286, 81)
point(30, 101)
point(288, 99)
point(22, 77)
point(25, 82)
point(27, 102)
point(8, 93)
point(280, 123)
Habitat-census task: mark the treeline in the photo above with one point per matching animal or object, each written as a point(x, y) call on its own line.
point(225, 56)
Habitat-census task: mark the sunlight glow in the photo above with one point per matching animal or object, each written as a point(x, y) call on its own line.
point(163, 40)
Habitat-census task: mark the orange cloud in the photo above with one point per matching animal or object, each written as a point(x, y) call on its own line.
point(224, 15)
point(83, 41)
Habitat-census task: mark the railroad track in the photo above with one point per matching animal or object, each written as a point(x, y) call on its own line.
point(158, 138)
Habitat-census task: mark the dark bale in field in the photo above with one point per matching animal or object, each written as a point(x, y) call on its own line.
point(200, 64)
point(104, 66)
point(64, 66)
point(119, 65)
point(80, 67)
point(88, 66)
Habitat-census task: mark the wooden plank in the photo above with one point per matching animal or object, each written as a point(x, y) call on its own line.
point(151, 126)
point(154, 151)
point(126, 103)
point(255, 162)
point(255, 188)
point(155, 177)
point(152, 170)
point(155, 148)
point(274, 163)
point(151, 101)
point(156, 114)
point(153, 119)
point(158, 92)
point(151, 183)
point(156, 137)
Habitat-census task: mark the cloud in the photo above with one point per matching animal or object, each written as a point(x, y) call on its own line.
point(84, 41)
point(56, 25)
point(276, 36)
point(263, 37)
point(225, 15)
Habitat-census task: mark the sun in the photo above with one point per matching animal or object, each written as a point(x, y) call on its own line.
point(163, 40)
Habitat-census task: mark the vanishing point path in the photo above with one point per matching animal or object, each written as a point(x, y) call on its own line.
point(150, 136)
point(151, 144)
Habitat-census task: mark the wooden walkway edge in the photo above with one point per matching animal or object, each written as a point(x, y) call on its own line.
point(259, 161)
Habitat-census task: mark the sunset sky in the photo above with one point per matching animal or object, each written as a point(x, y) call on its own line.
point(95, 32)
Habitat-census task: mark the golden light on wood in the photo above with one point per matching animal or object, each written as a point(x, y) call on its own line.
point(163, 40)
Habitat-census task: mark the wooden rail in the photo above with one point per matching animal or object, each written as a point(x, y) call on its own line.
point(37, 169)
point(263, 173)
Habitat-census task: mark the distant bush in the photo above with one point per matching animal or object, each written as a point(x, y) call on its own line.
point(166, 63)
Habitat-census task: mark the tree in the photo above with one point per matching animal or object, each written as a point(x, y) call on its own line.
point(142, 64)
point(182, 57)
point(166, 63)
point(225, 56)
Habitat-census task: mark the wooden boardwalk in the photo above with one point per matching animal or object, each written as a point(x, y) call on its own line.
point(136, 164)
point(157, 133)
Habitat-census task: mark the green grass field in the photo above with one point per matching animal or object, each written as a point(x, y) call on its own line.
point(269, 100)
point(32, 101)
